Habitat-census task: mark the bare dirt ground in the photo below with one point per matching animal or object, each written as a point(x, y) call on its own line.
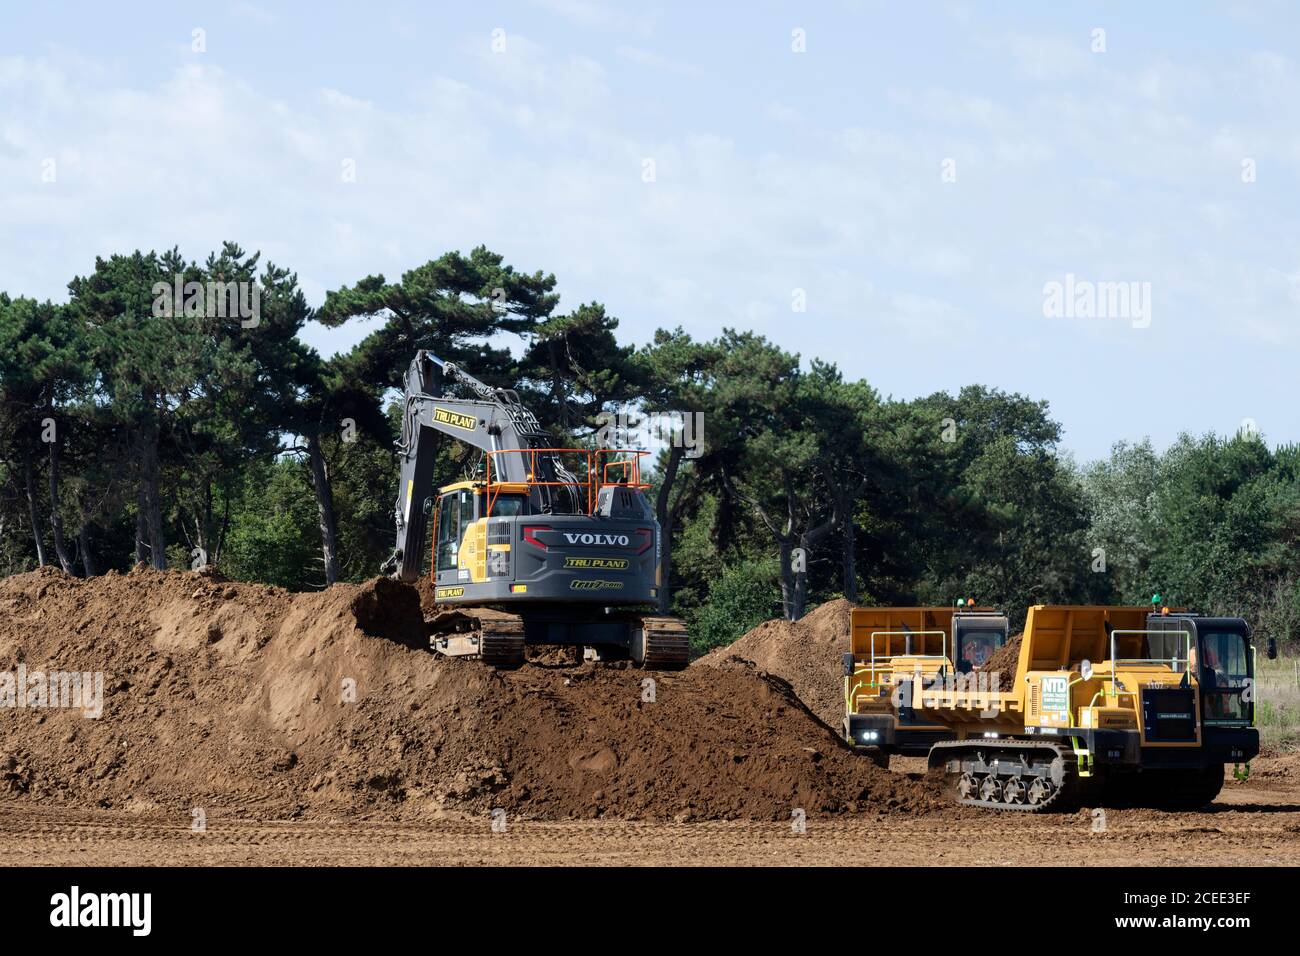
point(317, 729)
point(327, 706)
point(1252, 824)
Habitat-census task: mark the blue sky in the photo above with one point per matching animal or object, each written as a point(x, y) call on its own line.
point(774, 171)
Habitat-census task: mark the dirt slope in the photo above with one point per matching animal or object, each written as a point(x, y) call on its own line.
point(1004, 660)
point(806, 653)
point(265, 703)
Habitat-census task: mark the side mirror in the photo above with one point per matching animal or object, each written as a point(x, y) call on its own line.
point(848, 665)
point(1272, 648)
point(427, 507)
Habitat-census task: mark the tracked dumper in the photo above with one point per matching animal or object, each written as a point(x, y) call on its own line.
point(1114, 705)
point(914, 641)
point(542, 545)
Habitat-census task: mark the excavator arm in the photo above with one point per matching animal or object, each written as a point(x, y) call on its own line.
point(493, 421)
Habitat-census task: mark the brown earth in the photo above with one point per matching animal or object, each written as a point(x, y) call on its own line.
point(250, 701)
point(236, 700)
point(806, 653)
point(1256, 823)
point(1004, 660)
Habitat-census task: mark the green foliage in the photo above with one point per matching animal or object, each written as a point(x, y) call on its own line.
point(454, 305)
point(577, 369)
point(1277, 701)
point(697, 560)
point(364, 478)
point(1122, 496)
point(178, 432)
point(741, 599)
point(1211, 524)
point(967, 498)
point(271, 536)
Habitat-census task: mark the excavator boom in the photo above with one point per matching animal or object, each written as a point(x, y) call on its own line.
point(494, 422)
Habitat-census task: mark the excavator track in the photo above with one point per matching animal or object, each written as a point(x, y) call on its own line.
point(1010, 775)
point(661, 643)
point(497, 638)
point(494, 637)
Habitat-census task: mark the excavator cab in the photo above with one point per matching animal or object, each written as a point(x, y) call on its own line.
point(459, 506)
point(461, 511)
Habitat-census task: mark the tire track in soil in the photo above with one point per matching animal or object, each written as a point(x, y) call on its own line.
point(80, 836)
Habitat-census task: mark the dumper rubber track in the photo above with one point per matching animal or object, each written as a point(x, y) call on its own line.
point(1170, 790)
point(1187, 789)
point(494, 637)
point(1010, 775)
point(665, 646)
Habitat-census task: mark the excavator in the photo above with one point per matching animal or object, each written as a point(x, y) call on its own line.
point(539, 546)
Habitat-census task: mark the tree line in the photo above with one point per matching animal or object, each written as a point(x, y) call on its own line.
point(169, 413)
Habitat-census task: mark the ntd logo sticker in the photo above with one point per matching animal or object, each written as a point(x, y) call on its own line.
point(1056, 696)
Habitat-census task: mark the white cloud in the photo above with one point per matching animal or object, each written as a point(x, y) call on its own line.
point(658, 62)
point(1132, 174)
point(253, 12)
point(604, 16)
point(1047, 57)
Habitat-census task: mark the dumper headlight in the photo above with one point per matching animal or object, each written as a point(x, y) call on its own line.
point(870, 735)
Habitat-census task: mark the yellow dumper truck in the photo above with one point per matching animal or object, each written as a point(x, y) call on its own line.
point(1113, 704)
point(920, 643)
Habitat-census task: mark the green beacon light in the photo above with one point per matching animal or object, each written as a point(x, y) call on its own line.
point(1155, 599)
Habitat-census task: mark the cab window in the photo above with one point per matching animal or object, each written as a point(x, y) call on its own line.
point(976, 647)
point(1169, 647)
point(507, 505)
point(466, 506)
point(448, 532)
point(455, 513)
point(1224, 671)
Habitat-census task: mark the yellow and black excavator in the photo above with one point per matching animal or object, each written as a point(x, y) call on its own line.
point(543, 545)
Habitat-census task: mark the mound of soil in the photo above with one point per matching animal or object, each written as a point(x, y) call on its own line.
point(806, 653)
point(248, 700)
point(1004, 661)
